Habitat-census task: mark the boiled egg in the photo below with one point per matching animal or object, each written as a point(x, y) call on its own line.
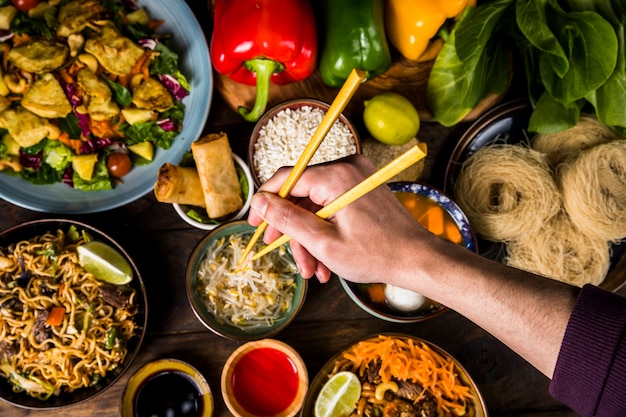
point(403, 300)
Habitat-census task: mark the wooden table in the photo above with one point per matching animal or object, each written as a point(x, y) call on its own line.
point(160, 243)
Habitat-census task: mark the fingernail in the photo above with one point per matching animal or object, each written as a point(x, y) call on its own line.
point(259, 204)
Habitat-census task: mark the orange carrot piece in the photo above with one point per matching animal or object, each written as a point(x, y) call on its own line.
point(376, 293)
point(55, 318)
point(433, 220)
point(66, 77)
point(452, 233)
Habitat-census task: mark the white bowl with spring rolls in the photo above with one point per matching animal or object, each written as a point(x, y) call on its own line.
point(210, 186)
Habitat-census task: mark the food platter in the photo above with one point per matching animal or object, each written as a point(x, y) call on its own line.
point(190, 44)
point(477, 409)
point(508, 123)
point(36, 228)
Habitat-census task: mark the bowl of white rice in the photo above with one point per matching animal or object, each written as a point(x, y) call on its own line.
point(284, 131)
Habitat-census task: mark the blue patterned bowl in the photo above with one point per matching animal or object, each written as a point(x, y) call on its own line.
point(359, 293)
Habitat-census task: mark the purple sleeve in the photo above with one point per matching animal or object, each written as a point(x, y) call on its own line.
point(590, 373)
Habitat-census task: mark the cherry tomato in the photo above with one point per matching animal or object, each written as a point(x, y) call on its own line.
point(119, 164)
point(25, 5)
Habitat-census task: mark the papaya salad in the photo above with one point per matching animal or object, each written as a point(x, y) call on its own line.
point(405, 376)
point(88, 90)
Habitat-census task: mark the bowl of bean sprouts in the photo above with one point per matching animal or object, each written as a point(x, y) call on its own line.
point(245, 301)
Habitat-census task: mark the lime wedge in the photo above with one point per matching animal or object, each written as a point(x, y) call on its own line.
point(104, 262)
point(338, 397)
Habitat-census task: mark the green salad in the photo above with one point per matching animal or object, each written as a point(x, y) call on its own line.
point(88, 90)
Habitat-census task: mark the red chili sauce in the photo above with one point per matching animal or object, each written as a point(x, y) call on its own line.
point(265, 381)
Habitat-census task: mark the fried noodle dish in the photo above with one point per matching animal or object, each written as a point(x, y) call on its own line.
point(405, 377)
point(60, 328)
point(251, 296)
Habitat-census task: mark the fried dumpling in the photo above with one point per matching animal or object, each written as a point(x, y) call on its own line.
point(46, 98)
point(115, 52)
point(97, 96)
point(152, 95)
point(38, 56)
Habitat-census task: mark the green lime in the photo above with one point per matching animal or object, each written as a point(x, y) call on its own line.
point(391, 118)
point(104, 262)
point(338, 396)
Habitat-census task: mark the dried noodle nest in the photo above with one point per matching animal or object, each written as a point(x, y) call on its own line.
point(507, 192)
point(560, 251)
point(561, 146)
point(594, 190)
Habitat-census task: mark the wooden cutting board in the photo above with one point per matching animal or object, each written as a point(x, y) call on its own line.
point(406, 77)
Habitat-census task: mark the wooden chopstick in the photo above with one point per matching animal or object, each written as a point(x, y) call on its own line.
point(344, 95)
point(402, 162)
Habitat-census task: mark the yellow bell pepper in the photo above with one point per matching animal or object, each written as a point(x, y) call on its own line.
point(411, 25)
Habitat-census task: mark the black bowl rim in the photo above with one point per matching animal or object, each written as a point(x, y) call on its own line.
point(224, 331)
point(322, 376)
point(69, 399)
point(471, 140)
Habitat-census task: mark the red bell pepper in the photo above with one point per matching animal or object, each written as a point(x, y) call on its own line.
point(256, 42)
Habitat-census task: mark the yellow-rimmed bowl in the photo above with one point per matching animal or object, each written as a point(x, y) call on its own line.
point(167, 387)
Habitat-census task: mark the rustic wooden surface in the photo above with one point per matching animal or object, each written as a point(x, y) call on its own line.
point(160, 243)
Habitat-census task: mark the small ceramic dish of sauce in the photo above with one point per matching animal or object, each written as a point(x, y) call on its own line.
point(167, 387)
point(264, 378)
point(437, 212)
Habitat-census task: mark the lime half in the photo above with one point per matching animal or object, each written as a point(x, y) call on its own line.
point(339, 396)
point(104, 262)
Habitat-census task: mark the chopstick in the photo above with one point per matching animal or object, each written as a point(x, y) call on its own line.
point(402, 162)
point(344, 95)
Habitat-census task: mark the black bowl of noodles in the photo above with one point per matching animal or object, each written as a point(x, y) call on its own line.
point(114, 317)
point(252, 301)
point(506, 126)
point(429, 379)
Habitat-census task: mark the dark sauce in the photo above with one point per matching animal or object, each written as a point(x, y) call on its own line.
point(168, 394)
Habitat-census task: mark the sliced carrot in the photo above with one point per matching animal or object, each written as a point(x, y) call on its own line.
point(376, 293)
point(75, 144)
point(55, 317)
point(66, 77)
point(404, 359)
point(103, 128)
point(433, 220)
point(452, 233)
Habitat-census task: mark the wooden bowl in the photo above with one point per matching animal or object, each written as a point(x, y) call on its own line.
point(264, 377)
point(293, 105)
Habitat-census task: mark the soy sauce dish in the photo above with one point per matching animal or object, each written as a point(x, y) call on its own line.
point(264, 378)
point(167, 387)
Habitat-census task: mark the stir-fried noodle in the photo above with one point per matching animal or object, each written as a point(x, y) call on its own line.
point(250, 296)
point(60, 328)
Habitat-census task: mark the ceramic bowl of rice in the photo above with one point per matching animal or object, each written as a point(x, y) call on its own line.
point(282, 134)
point(251, 301)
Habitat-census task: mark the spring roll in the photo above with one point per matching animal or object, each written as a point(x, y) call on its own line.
point(218, 176)
point(179, 185)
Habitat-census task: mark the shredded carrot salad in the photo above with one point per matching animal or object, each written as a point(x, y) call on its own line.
point(408, 360)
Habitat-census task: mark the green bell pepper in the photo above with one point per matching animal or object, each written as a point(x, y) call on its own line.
point(353, 37)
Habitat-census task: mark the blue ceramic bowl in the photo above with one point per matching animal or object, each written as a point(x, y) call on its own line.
point(359, 293)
